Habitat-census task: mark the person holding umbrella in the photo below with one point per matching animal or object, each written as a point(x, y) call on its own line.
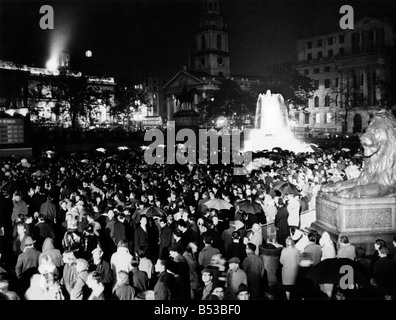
point(282, 227)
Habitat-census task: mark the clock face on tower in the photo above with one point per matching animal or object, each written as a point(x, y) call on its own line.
point(220, 61)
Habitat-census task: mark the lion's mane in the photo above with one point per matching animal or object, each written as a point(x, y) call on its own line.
point(381, 167)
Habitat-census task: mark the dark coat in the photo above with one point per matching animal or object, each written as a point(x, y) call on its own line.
point(184, 293)
point(165, 241)
point(253, 266)
point(119, 232)
point(48, 210)
point(236, 249)
point(282, 227)
point(164, 289)
point(139, 280)
point(141, 239)
point(27, 260)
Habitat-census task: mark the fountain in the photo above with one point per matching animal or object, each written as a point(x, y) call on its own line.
point(272, 127)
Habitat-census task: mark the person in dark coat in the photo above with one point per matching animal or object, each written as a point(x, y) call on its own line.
point(165, 238)
point(119, 228)
point(89, 242)
point(48, 210)
point(187, 235)
point(175, 252)
point(164, 288)
point(236, 248)
point(42, 230)
point(281, 225)
point(27, 263)
point(138, 278)
point(385, 275)
point(19, 240)
point(141, 235)
point(206, 254)
point(104, 270)
point(216, 236)
point(253, 266)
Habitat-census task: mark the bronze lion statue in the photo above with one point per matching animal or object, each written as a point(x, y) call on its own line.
point(378, 176)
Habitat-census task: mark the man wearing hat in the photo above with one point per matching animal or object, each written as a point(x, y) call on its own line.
point(27, 263)
point(235, 276)
point(243, 292)
point(206, 290)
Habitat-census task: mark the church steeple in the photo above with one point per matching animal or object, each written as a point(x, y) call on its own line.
point(212, 55)
point(211, 7)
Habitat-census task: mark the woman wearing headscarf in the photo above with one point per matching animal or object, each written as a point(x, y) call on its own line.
point(328, 248)
point(256, 237)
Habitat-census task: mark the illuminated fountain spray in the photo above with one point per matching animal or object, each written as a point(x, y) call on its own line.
point(59, 55)
point(272, 127)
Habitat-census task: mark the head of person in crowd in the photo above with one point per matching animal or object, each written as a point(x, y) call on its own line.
point(81, 265)
point(243, 292)
point(218, 293)
point(175, 250)
point(289, 242)
point(233, 263)
point(206, 276)
point(161, 265)
point(250, 248)
point(177, 234)
point(68, 257)
point(97, 255)
point(378, 244)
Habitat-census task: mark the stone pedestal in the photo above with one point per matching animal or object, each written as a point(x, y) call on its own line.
point(186, 119)
point(361, 220)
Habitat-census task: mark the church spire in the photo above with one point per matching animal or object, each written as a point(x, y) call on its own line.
point(212, 55)
point(211, 7)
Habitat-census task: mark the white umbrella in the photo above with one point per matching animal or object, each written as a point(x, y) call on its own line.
point(101, 150)
point(123, 148)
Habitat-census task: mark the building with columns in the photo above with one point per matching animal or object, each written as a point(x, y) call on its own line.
point(347, 67)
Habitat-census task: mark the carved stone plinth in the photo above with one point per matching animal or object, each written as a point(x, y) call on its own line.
point(362, 220)
point(186, 119)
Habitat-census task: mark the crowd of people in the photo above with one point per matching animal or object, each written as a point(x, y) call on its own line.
point(104, 226)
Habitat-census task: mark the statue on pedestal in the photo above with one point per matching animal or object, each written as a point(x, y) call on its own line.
point(378, 176)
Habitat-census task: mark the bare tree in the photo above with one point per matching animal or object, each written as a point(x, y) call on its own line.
point(343, 96)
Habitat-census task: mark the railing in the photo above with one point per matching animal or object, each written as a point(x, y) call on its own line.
point(268, 230)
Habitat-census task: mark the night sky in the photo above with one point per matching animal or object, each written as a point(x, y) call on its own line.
point(132, 39)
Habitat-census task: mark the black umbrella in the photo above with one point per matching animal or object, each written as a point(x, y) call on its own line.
point(285, 187)
point(332, 270)
point(249, 207)
point(153, 211)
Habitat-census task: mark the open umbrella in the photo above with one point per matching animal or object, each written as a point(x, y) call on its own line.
point(249, 207)
point(329, 271)
point(285, 187)
point(62, 182)
point(40, 173)
point(218, 204)
point(153, 211)
point(282, 171)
